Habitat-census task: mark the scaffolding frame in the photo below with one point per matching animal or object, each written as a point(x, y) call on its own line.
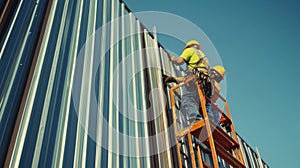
point(220, 143)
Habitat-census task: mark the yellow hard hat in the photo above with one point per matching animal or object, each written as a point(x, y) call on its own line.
point(192, 42)
point(220, 70)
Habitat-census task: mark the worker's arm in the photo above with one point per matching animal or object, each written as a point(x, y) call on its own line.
point(215, 96)
point(171, 79)
point(216, 92)
point(179, 79)
point(184, 57)
point(177, 60)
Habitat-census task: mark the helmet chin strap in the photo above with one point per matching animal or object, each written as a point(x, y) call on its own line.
point(193, 46)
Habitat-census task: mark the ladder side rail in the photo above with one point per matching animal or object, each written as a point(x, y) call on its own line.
point(192, 153)
point(172, 90)
point(239, 155)
point(175, 124)
point(200, 162)
point(208, 129)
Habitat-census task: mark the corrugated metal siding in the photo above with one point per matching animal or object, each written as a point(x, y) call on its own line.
point(16, 54)
point(251, 158)
point(56, 129)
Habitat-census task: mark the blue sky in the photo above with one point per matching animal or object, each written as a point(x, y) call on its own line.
point(259, 43)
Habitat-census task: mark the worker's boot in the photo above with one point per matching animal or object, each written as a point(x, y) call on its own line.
point(227, 127)
point(225, 123)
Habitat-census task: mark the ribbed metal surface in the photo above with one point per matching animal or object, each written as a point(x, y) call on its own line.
point(54, 127)
point(251, 157)
point(21, 34)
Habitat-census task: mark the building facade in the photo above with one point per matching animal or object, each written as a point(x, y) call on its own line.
point(80, 85)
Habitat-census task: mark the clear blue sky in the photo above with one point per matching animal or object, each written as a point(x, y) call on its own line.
point(259, 43)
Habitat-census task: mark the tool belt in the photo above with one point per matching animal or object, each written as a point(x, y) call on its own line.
point(202, 78)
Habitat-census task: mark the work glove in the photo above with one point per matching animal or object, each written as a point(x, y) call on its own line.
point(169, 79)
point(224, 122)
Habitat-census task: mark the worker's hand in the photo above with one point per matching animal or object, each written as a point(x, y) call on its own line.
point(172, 58)
point(169, 79)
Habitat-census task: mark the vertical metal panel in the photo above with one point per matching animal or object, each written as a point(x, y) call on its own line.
point(134, 161)
point(246, 160)
point(112, 157)
point(143, 131)
point(152, 128)
point(36, 95)
point(15, 60)
point(63, 118)
point(125, 162)
point(7, 8)
point(163, 121)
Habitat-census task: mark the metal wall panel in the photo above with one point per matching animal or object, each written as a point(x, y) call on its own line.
point(16, 55)
point(52, 127)
point(251, 157)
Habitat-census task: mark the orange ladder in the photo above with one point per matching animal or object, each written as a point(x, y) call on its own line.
point(218, 141)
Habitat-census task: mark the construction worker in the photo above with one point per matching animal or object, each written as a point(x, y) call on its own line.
point(217, 74)
point(195, 60)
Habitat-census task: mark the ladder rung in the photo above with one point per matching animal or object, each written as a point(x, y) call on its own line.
point(223, 138)
point(219, 135)
point(228, 157)
point(195, 126)
point(223, 142)
point(205, 165)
